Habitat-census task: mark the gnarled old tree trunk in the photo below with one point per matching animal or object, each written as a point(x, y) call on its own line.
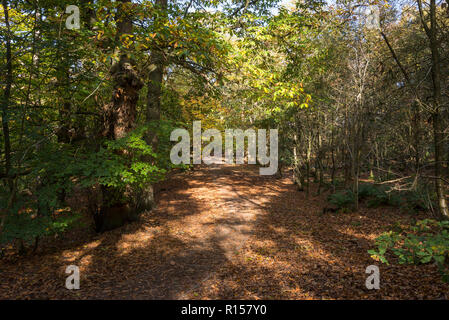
point(119, 118)
point(120, 114)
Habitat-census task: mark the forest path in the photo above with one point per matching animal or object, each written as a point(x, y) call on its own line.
point(225, 232)
point(212, 215)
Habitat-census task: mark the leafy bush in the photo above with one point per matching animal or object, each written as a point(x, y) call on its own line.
point(420, 199)
point(384, 198)
point(36, 208)
point(367, 190)
point(342, 200)
point(122, 164)
point(377, 196)
point(425, 242)
point(26, 225)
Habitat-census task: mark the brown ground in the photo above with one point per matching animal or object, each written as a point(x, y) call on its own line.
point(225, 232)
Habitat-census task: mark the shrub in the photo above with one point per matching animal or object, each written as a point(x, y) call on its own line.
point(367, 190)
point(425, 242)
point(124, 164)
point(27, 226)
point(37, 208)
point(379, 195)
point(343, 200)
point(384, 198)
point(420, 199)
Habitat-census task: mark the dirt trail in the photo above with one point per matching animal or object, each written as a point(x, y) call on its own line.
point(225, 232)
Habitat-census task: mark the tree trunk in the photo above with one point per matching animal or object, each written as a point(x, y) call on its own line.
point(120, 116)
point(6, 96)
point(436, 118)
point(153, 111)
point(5, 120)
point(155, 77)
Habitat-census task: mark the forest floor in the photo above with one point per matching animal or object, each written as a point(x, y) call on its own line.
point(225, 232)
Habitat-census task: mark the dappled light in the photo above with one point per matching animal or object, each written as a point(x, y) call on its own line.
point(272, 243)
point(216, 149)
